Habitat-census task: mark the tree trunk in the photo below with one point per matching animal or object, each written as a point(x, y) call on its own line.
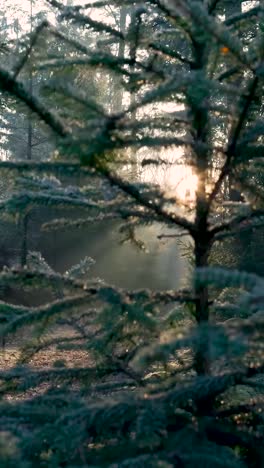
point(202, 239)
point(202, 355)
point(202, 250)
point(26, 218)
point(24, 247)
point(118, 91)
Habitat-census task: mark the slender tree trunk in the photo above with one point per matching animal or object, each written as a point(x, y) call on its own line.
point(202, 355)
point(118, 91)
point(233, 8)
point(30, 127)
point(26, 217)
point(24, 247)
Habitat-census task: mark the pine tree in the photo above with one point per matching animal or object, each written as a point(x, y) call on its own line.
point(162, 371)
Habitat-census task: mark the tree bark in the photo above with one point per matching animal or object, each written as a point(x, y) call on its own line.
point(202, 239)
point(26, 218)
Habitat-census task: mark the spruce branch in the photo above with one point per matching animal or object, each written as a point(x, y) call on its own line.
point(30, 379)
point(231, 20)
point(219, 31)
point(109, 62)
point(77, 95)
point(212, 6)
point(11, 85)
point(78, 45)
point(227, 434)
point(85, 20)
point(234, 139)
point(43, 344)
point(27, 199)
point(142, 199)
point(165, 50)
point(240, 409)
point(228, 73)
point(46, 166)
point(246, 103)
point(33, 40)
point(207, 388)
point(236, 222)
point(124, 368)
point(56, 33)
point(43, 313)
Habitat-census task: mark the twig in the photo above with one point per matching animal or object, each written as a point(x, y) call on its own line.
point(172, 236)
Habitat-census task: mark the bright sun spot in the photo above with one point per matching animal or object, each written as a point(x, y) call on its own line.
point(177, 181)
point(175, 178)
point(187, 183)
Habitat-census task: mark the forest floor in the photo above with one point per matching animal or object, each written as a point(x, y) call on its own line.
point(43, 360)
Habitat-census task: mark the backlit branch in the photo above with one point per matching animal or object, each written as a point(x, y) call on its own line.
point(79, 18)
point(142, 199)
point(30, 47)
point(11, 85)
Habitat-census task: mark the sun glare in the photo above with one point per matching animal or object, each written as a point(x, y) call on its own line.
point(187, 183)
point(177, 181)
point(181, 183)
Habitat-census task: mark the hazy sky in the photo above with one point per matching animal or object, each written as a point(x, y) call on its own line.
point(20, 9)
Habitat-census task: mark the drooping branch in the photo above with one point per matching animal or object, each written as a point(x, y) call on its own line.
point(84, 291)
point(56, 33)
